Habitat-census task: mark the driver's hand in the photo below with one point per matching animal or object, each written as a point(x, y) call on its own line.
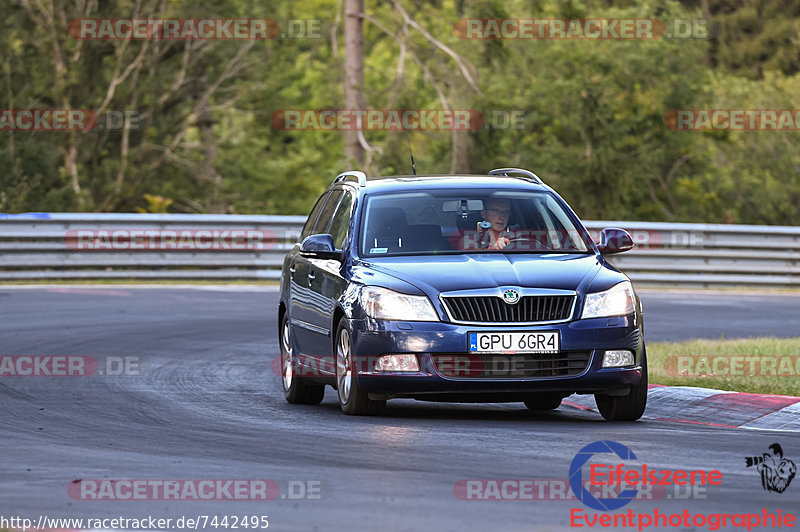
point(500, 243)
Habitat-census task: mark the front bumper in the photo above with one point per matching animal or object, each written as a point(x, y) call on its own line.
point(373, 338)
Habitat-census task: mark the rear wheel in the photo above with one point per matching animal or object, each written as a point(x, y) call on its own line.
point(543, 402)
point(296, 389)
point(629, 407)
point(352, 399)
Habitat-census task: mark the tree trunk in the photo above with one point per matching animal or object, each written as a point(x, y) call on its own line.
point(205, 128)
point(71, 167)
point(353, 74)
point(459, 158)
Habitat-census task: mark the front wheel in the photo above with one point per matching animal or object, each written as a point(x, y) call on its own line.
point(295, 389)
point(629, 407)
point(352, 399)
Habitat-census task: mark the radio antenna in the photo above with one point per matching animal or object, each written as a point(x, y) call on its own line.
point(408, 140)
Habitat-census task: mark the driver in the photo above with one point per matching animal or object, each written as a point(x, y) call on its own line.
point(492, 232)
point(496, 211)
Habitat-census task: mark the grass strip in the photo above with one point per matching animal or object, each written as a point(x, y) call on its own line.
point(755, 365)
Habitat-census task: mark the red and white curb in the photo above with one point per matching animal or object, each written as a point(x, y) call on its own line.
point(716, 408)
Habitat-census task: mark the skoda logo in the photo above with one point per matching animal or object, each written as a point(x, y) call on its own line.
point(511, 296)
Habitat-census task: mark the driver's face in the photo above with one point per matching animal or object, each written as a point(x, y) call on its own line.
point(497, 212)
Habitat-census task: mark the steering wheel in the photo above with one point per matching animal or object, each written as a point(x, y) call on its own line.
point(539, 244)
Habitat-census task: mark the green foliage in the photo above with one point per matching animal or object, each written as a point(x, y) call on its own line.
point(592, 111)
point(754, 36)
point(30, 180)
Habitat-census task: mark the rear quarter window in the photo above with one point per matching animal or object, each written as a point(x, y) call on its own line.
point(312, 217)
point(341, 221)
point(326, 214)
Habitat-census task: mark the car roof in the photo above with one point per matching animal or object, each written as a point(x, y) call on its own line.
point(443, 181)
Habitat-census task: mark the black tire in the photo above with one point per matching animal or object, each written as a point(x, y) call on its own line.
point(543, 402)
point(352, 399)
point(629, 407)
point(297, 390)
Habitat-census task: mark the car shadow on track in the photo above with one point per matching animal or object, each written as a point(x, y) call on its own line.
point(500, 412)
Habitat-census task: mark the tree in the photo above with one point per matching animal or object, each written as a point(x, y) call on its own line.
point(354, 74)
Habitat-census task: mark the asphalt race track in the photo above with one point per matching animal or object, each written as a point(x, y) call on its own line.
point(201, 402)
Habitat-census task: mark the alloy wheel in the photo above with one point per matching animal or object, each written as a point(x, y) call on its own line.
point(344, 372)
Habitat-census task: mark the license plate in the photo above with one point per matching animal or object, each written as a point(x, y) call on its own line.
point(514, 342)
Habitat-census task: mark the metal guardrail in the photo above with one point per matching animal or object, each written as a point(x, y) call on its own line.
point(709, 255)
point(35, 246)
point(119, 246)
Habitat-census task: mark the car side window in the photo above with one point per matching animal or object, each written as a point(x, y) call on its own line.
point(341, 221)
point(326, 214)
point(313, 217)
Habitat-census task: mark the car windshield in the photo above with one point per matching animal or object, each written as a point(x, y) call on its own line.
point(459, 221)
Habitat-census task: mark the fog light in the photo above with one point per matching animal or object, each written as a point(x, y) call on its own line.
point(397, 363)
point(616, 359)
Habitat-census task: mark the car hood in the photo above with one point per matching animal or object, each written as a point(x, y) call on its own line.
point(445, 273)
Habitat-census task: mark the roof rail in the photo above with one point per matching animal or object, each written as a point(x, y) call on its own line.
point(360, 176)
point(509, 171)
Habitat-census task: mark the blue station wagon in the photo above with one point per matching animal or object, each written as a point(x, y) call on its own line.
point(462, 288)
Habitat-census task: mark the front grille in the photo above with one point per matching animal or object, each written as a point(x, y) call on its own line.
point(492, 309)
point(493, 366)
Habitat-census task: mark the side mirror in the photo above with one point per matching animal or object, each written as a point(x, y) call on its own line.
point(320, 247)
point(614, 240)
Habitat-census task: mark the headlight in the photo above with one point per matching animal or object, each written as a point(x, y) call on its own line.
point(401, 362)
point(385, 304)
point(616, 301)
point(617, 359)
